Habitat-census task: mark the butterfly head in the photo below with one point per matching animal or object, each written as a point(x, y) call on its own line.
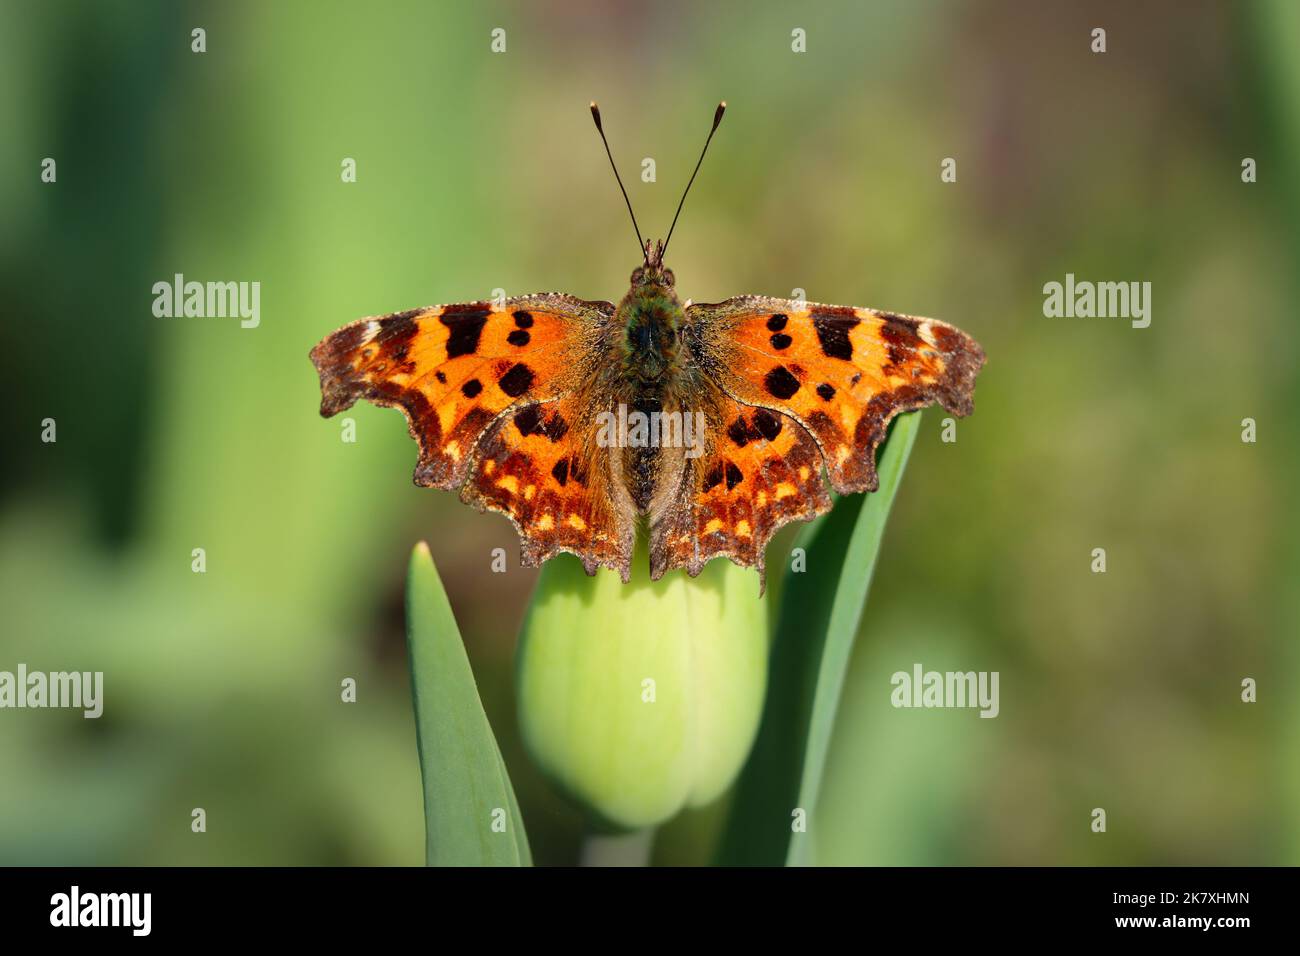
point(653, 272)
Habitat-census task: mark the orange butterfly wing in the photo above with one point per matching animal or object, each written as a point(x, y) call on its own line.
point(539, 466)
point(759, 470)
point(842, 372)
point(468, 377)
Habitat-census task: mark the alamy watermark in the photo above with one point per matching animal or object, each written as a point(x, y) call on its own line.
point(922, 688)
point(638, 429)
point(75, 908)
point(1103, 300)
point(210, 300)
point(75, 689)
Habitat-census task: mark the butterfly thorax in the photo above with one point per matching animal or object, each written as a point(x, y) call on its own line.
point(648, 346)
point(648, 322)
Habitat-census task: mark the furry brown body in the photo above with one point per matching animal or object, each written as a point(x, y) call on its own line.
point(649, 375)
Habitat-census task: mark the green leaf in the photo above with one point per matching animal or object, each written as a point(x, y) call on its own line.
point(466, 786)
point(816, 624)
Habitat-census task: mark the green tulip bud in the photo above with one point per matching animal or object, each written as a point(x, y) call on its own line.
point(643, 698)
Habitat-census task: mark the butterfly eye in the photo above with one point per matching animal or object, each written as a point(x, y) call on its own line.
point(669, 278)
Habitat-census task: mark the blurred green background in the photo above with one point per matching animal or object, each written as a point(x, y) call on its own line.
point(479, 171)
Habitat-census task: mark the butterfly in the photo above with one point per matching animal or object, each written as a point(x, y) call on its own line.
point(707, 424)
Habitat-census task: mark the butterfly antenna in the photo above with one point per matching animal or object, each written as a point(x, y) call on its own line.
point(595, 115)
point(717, 118)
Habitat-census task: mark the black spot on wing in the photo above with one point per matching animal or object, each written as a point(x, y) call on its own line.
point(533, 421)
point(780, 383)
point(471, 388)
point(780, 341)
point(767, 424)
point(518, 337)
point(826, 391)
point(528, 420)
point(524, 319)
point(833, 332)
point(775, 323)
point(556, 427)
point(764, 426)
point(517, 380)
point(738, 432)
point(713, 477)
point(734, 476)
point(465, 328)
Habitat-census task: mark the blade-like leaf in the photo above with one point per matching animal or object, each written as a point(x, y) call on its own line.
point(816, 624)
point(466, 787)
